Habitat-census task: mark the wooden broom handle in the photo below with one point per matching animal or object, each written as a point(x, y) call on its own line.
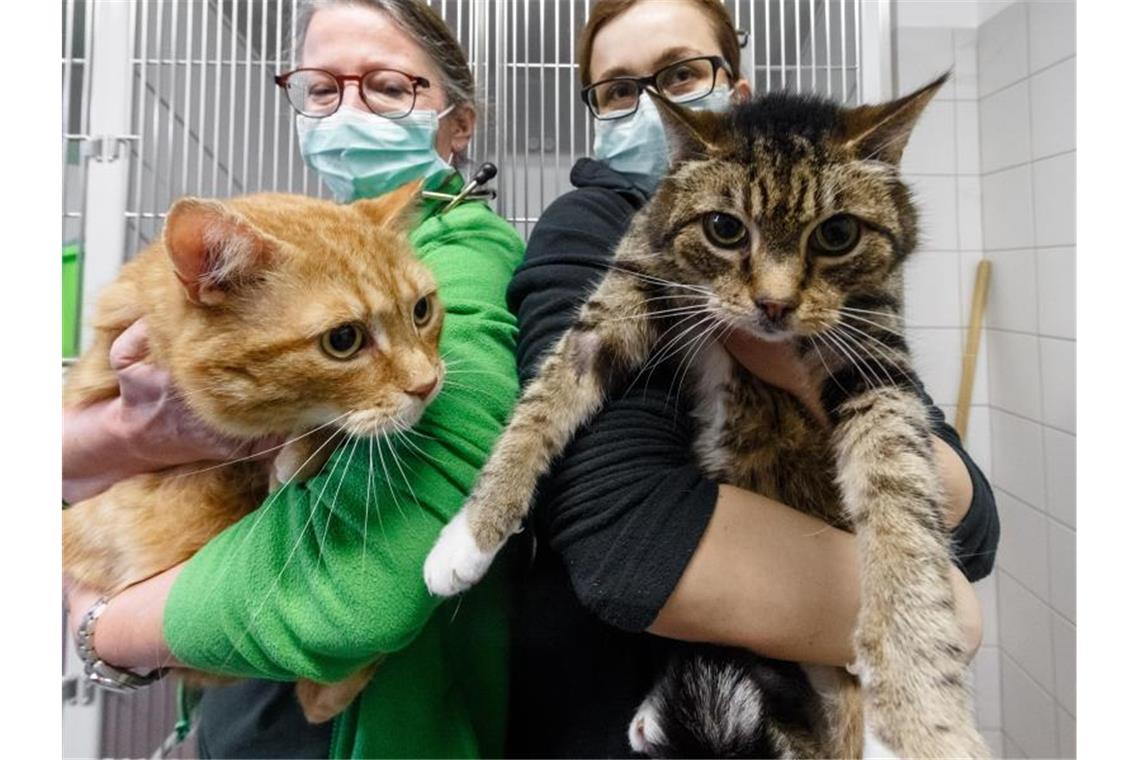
point(973, 338)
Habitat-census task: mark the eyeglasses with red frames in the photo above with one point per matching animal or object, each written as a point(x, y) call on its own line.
point(318, 93)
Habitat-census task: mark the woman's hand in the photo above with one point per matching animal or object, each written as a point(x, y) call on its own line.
point(778, 364)
point(148, 427)
point(155, 420)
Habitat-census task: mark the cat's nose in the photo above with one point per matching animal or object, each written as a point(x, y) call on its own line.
point(425, 389)
point(775, 309)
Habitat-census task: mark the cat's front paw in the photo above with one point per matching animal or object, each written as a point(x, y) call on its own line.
point(455, 563)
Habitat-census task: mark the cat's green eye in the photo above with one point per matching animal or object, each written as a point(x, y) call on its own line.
point(836, 235)
point(725, 230)
point(343, 341)
point(421, 312)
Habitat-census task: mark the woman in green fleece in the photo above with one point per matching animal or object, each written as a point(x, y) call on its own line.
point(271, 598)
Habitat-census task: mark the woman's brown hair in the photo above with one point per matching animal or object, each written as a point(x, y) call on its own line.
point(605, 10)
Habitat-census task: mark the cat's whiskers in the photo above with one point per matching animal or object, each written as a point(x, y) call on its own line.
point(660, 280)
point(263, 452)
point(873, 323)
point(865, 351)
point(695, 346)
point(888, 352)
point(400, 468)
point(832, 339)
point(387, 476)
point(336, 495)
point(313, 506)
point(401, 433)
point(656, 358)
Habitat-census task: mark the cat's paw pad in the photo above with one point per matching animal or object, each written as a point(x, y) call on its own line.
point(455, 563)
point(645, 732)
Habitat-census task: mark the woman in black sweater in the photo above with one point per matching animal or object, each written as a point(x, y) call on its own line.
point(628, 541)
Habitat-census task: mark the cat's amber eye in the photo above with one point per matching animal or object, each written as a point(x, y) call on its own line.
point(421, 312)
point(836, 235)
point(725, 230)
point(343, 341)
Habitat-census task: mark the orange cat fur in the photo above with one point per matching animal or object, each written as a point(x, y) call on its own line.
point(247, 304)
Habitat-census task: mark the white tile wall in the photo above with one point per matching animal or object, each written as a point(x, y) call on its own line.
point(1061, 476)
point(1065, 663)
point(923, 54)
point(1063, 570)
point(1054, 199)
point(1026, 631)
point(936, 199)
point(1003, 49)
point(1051, 36)
point(970, 211)
point(1007, 208)
point(1005, 127)
point(1015, 371)
point(1018, 458)
point(1028, 713)
point(1058, 383)
point(1013, 299)
point(1024, 548)
point(1054, 119)
point(932, 289)
point(1026, 72)
point(926, 151)
point(1056, 302)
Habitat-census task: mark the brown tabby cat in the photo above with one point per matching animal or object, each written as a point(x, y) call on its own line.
point(785, 218)
point(274, 314)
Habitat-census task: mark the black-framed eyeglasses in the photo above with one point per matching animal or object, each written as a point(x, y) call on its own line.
point(680, 82)
point(318, 93)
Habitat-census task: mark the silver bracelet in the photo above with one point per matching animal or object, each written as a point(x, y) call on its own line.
point(97, 671)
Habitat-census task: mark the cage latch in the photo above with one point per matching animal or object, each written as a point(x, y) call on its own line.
point(107, 148)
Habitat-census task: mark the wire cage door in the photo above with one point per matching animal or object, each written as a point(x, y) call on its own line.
point(165, 98)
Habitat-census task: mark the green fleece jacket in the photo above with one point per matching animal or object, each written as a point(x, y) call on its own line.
point(327, 575)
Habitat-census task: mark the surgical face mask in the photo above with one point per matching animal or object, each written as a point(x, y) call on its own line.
point(636, 145)
point(362, 155)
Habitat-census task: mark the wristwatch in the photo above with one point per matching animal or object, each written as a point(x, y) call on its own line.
point(96, 670)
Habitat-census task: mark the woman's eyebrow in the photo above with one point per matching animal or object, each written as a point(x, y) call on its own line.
point(670, 55)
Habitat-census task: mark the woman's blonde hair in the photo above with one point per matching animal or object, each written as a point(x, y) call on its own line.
point(605, 10)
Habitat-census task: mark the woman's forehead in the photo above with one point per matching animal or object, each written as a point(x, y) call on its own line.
point(638, 40)
point(351, 39)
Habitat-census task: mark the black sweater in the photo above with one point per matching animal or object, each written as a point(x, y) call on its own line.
point(618, 518)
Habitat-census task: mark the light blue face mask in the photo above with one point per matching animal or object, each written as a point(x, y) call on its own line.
point(636, 145)
point(362, 155)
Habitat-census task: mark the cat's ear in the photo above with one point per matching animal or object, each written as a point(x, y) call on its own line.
point(213, 249)
point(394, 209)
point(691, 134)
point(880, 132)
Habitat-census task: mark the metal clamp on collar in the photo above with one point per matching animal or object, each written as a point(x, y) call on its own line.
point(97, 671)
point(485, 174)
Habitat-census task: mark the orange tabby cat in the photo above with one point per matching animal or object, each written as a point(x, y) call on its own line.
point(274, 314)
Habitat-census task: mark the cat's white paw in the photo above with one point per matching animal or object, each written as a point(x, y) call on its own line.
point(873, 747)
point(645, 731)
point(455, 563)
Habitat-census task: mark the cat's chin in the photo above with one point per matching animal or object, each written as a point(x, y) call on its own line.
point(368, 423)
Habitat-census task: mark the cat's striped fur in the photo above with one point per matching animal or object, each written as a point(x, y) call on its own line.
point(779, 166)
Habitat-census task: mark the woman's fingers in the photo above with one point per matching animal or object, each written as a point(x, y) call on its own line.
point(130, 347)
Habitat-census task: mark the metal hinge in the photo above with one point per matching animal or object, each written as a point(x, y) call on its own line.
point(78, 691)
point(106, 148)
